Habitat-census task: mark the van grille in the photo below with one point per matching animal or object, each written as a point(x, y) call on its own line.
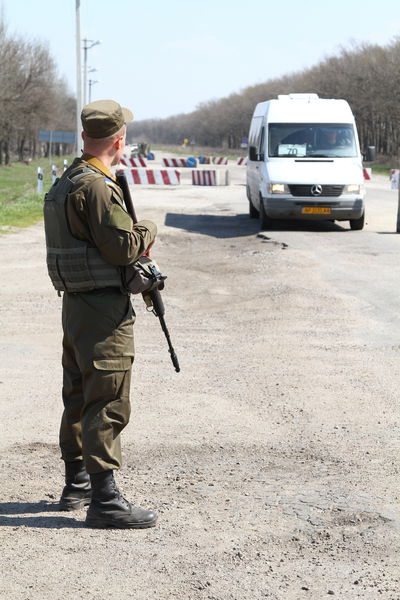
point(305, 190)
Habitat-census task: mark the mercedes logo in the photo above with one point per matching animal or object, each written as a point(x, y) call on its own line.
point(316, 190)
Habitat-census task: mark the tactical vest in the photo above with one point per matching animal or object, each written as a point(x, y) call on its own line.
point(73, 265)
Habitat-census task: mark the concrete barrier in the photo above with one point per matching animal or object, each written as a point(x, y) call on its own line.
point(152, 176)
point(220, 160)
point(179, 162)
point(211, 177)
point(137, 161)
point(242, 160)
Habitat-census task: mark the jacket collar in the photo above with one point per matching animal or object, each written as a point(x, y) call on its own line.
point(98, 164)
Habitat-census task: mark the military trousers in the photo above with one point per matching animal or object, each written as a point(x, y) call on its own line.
point(98, 350)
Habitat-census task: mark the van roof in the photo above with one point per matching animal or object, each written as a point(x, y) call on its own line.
point(304, 108)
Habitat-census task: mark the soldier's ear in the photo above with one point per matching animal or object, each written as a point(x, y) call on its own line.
point(119, 142)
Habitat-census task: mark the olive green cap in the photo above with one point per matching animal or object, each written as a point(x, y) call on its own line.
point(103, 118)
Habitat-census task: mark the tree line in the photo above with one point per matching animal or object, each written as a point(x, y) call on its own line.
point(366, 75)
point(32, 97)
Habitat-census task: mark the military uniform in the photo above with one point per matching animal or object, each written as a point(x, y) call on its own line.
point(98, 346)
point(91, 240)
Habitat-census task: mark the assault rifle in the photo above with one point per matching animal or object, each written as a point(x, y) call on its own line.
point(153, 300)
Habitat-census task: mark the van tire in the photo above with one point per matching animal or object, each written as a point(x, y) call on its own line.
point(265, 221)
point(253, 212)
point(357, 224)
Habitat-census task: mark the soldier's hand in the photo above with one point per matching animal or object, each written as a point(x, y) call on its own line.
point(147, 253)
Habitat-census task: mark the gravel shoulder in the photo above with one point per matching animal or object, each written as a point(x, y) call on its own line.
point(272, 458)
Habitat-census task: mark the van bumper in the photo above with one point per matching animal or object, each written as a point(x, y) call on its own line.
point(293, 208)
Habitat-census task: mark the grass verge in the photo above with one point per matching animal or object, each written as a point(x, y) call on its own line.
point(382, 169)
point(20, 204)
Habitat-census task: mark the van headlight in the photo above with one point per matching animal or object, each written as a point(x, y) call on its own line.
point(278, 188)
point(353, 188)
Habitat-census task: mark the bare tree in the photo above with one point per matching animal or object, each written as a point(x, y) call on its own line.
point(32, 96)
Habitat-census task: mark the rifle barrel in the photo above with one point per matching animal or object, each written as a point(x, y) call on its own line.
point(174, 357)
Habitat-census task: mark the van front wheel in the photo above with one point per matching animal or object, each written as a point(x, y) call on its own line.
point(265, 221)
point(357, 224)
point(253, 212)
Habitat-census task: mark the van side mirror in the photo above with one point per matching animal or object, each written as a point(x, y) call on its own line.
point(370, 154)
point(253, 153)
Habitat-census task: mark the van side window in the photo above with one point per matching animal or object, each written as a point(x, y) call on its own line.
point(260, 145)
point(254, 137)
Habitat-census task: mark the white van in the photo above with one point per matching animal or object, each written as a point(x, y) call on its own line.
point(304, 161)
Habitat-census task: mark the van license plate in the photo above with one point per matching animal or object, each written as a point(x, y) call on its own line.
point(316, 210)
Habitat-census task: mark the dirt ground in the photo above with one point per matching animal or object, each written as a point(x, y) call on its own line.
point(271, 458)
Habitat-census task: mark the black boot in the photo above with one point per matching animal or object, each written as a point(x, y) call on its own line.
point(77, 491)
point(109, 509)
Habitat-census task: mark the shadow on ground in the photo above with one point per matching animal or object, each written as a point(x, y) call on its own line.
point(241, 225)
point(17, 514)
point(218, 226)
point(290, 225)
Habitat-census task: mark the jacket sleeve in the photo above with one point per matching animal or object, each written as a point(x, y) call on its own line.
point(118, 239)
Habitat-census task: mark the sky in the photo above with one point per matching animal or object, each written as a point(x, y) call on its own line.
point(161, 58)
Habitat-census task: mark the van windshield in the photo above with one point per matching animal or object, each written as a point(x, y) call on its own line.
point(297, 140)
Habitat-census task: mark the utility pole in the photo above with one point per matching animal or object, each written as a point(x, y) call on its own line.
point(87, 44)
point(78, 76)
point(91, 82)
point(397, 179)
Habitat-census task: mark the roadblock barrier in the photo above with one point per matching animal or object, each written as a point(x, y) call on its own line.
point(211, 177)
point(367, 171)
point(204, 160)
point(152, 176)
point(179, 162)
point(242, 160)
point(220, 160)
point(137, 161)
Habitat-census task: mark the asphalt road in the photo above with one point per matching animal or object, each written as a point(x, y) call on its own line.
point(362, 264)
point(272, 458)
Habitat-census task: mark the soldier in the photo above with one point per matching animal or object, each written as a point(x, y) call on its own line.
point(90, 238)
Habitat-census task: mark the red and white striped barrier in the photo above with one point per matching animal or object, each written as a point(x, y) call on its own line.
point(367, 172)
point(152, 176)
point(174, 162)
point(242, 160)
point(220, 160)
point(138, 161)
point(205, 177)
